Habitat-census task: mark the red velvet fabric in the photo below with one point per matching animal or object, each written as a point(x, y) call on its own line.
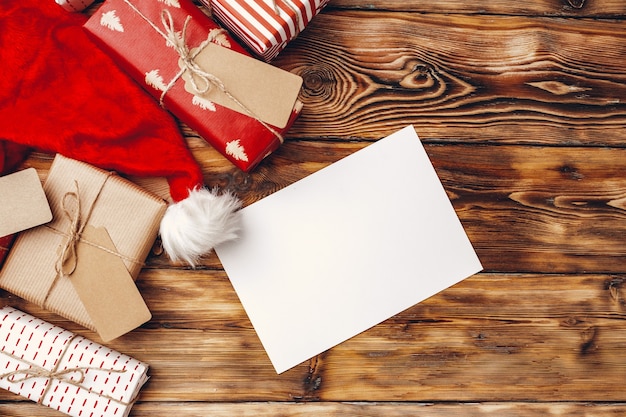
point(60, 93)
point(11, 155)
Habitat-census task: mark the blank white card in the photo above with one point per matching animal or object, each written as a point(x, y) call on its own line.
point(346, 248)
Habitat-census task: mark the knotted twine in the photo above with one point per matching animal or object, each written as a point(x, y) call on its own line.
point(179, 43)
point(65, 375)
point(68, 259)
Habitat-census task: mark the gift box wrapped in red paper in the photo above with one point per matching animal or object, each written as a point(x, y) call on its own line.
point(266, 26)
point(238, 104)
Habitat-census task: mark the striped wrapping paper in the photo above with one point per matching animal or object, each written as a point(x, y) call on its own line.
point(74, 5)
point(265, 26)
point(64, 371)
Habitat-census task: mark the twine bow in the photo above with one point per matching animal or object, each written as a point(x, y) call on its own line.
point(36, 371)
point(64, 375)
point(187, 57)
point(179, 42)
point(67, 261)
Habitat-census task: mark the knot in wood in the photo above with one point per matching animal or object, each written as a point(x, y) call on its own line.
point(234, 180)
point(576, 4)
point(318, 81)
point(421, 76)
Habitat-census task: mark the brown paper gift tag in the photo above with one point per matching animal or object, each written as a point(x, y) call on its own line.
point(99, 270)
point(24, 204)
point(267, 92)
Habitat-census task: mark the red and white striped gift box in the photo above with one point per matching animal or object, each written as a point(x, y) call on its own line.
point(74, 5)
point(66, 372)
point(265, 26)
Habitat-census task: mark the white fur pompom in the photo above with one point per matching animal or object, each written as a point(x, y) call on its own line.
point(191, 228)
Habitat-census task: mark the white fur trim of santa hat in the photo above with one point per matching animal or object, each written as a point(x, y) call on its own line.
point(192, 227)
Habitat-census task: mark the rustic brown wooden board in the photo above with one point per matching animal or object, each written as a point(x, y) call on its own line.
point(525, 208)
point(491, 337)
point(575, 8)
point(521, 106)
point(252, 409)
point(496, 79)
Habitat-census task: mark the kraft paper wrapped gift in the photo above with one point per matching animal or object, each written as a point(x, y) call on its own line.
point(66, 372)
point(24, 205)
point(83, 263)
point(238, 104)
point(265, 26)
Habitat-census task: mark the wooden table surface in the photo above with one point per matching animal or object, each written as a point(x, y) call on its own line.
point(521, 107)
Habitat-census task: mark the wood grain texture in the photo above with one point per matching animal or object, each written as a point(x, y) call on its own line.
point(521, 107)
point(525, 208)
point(570, 8)
point(461, 78)
point(267, 409)
point(496, 337)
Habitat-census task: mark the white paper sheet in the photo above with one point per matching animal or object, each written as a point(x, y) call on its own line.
point(346, 248)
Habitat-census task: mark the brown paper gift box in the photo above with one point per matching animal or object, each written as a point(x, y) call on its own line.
point(130, 215)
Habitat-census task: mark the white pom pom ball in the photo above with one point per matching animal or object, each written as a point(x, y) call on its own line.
point(191, 228)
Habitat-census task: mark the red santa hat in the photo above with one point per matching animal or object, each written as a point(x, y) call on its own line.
point(60, 93)
point(11, 156)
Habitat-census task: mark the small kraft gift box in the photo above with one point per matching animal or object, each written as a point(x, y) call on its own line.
point(265, 26)
point(83, 263)
point(196, 70)
point(64, 371)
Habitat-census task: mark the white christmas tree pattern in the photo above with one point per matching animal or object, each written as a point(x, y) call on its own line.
point(203, 103)
point(179, 36)
point(219, 38)
point(171, 3)
point(154, 79)
point(110, 20)
point(234, 149)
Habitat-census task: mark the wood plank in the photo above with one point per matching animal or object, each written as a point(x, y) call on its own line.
point(522, 116)
point(491, 337)
point(538, 209)
point(525, 208)
point(510, 409)
point(490, 79)
point(575, 8)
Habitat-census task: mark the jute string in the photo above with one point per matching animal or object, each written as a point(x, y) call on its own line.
point(65, 375)
point(68, 259)
point(208, 80)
